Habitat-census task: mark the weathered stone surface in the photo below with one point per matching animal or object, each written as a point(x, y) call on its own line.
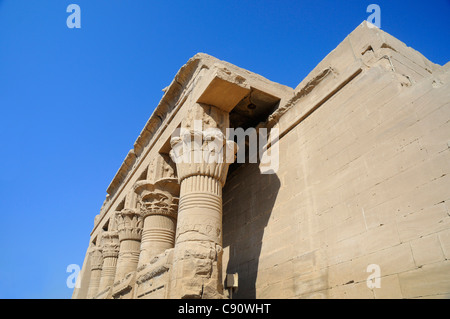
point(426, 281)
point(158, 206)
point(361, 189)
point(153, 277)
point(110, 252)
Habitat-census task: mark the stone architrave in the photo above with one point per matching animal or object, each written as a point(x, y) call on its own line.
point(96, 259)
point(202, 159)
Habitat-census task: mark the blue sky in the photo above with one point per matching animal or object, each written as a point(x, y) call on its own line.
point(73, 101)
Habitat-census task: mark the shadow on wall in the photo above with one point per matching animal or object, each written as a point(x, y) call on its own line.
point(248, 200)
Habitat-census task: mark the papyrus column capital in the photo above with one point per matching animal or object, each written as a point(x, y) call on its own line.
point(110, 244)
point(129, 224)
point(158, 205)
point(158, 198)
point(206, 153)
point(96, 258)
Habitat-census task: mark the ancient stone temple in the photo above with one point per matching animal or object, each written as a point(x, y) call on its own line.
point(239, 187)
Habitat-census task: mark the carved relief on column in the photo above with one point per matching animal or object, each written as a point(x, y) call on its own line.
point(158, 205)
point(96, 261)
point(202, 158)
point(110, 245)
point(157, 202)
point(210, 116)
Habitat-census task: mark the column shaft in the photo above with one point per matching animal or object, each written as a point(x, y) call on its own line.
point(158, 205)
point(128, 258)
point(108, 273)
point(157, 236)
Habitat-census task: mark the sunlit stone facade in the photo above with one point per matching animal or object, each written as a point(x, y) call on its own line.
point(357, 186)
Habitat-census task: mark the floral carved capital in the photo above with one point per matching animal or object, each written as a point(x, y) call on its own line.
point(158, 198)
point(129, 224)
point(202, 153)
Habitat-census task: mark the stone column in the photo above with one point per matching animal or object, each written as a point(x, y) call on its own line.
point(96, 262)
point(129, 225)
point(202, 159)
point(158, 205)
point(110, 245)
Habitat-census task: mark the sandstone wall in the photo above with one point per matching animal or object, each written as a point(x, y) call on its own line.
point(363, 179)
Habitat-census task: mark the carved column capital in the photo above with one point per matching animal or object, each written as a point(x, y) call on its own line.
point(129, 224)
point(206, 153)
point(159, 198)
point(96, 261)
point(96, 258)
point(110, 252)
point(110, 244)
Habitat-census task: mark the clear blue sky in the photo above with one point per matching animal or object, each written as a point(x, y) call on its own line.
point(73, 101)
